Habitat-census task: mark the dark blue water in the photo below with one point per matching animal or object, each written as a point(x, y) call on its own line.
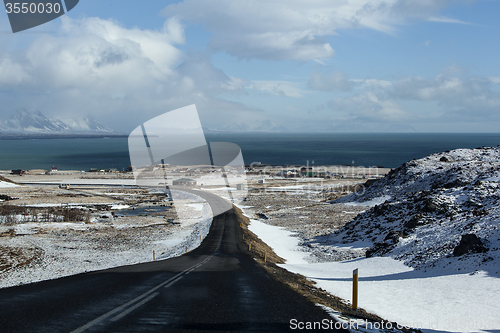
point(388, 150)
point(66, 154)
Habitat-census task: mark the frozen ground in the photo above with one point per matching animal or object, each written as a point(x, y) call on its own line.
point(435, 301)
point(7, 184)
point(35, 251)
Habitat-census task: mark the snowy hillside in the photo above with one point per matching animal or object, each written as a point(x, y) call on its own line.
point(34, 122)
point(87, 124)
point(439, 211)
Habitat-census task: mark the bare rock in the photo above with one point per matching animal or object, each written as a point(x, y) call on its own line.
point(469, 243)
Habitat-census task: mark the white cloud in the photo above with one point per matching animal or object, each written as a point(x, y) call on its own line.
point(452, 96)
point(469, 94)
point(368, 106)
point(122, 76)
point(294, 29)
point(12, 73)
point(97, 55)
point(334, 81)
point(444, 19)
point(373, 83)
point(279, 88)
point(495, 80)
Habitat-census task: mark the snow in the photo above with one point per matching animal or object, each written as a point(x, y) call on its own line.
point(219, 189)
point(428, 206)
point(25, 121)
point(71, 204)
point(494, 179)
point(63, 249)
point(433, 300)
point(196, 206)
point(286, 188)
point(120, 206)
point(282, 240)
point(370, 203)
point(357, 325)
point(76, 181)
point(7, 184)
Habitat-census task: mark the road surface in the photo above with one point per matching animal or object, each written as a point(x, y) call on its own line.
point(215, 288)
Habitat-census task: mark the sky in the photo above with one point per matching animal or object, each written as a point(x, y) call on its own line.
point(263, 65)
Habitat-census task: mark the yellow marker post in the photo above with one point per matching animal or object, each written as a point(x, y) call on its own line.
point(265, 257)
point(153, 255)
point(249, 247)
point(243, 237)
point(355, 289)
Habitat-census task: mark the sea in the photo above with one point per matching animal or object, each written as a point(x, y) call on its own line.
point(373, 149)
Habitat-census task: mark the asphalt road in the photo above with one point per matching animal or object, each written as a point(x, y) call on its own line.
point(216, 288)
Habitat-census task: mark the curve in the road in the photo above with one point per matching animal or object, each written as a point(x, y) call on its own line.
point(217, 287)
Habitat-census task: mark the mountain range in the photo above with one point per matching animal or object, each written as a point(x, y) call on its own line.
point(35, 122)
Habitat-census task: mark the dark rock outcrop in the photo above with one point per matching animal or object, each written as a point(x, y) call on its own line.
point(469, 243)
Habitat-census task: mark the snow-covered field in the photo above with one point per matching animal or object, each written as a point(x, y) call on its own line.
point(6, 184)
point(49, 250)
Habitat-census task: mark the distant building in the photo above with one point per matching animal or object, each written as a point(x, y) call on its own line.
point(19, 172)
point(184, 182)
point(308, 172)
point(240, 187)
point(53, 168)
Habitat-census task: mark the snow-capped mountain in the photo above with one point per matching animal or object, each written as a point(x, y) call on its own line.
point(87, 124)
point(34, 122)
point(442, 210)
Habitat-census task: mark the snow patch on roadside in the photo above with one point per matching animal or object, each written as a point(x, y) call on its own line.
point(7, 184)
point(284, 243)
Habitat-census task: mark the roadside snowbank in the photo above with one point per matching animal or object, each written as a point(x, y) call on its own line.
point(281, 240)
point(7, 184)
point(433, 300)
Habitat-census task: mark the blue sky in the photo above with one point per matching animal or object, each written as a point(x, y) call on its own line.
point(318, 65)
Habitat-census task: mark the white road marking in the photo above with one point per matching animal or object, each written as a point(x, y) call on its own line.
point(145, 297)
point(132, 308)
point(138, 301)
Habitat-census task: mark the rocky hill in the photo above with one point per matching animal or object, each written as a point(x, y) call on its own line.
point(439, 211)
point(34, 122)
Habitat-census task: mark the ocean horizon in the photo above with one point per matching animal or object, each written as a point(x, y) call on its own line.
point(360, 149)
